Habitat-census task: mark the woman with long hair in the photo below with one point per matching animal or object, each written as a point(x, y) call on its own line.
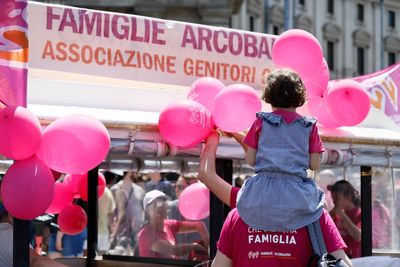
point(347, 215)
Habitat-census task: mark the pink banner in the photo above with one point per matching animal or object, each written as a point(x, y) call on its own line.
point(383, 87)
point(13, 52)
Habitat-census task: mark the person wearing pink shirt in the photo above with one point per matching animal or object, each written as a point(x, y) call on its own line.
point(157, 238)
point(242, 245)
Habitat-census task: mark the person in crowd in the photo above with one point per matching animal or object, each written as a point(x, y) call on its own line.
point(129, 215)
point(6, 245)
point(157, 238)
point(66, 245)
point(258, 247)
point(381, 223)
point(281, 145)
point(106, 211)
point(239, 181)
point(180, 185)
point(160, 183)
point(347, 215)
point(327, 177)
point(175, 214)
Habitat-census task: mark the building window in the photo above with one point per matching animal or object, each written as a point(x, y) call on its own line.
point(302, 2)
point(251, 23)
point(391, 19)
point(330, 7)
point(360, 60)
point(391, 58)
point(275, 30)
point(330, 47)
point(360, 12)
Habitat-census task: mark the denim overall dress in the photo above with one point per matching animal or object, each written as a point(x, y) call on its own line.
point(280, 196)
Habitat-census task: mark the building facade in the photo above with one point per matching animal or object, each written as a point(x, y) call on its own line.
point(357, 36)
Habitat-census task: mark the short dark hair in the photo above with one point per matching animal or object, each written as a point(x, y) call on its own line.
point(284, 88)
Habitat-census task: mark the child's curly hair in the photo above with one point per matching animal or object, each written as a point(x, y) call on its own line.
point(284, 88)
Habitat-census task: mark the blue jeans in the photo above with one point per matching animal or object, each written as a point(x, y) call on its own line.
point(72, 244)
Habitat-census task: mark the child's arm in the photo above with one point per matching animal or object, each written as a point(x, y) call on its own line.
point(315, 161)
point(207, 171)
point(250, 152)
point(251, 156)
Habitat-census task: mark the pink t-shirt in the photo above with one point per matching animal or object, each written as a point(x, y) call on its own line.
point(354, 247)
point(249, 247)
point(148, 235)
point(251, 139)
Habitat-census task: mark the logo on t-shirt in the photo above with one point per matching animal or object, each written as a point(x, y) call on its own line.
point(253, 255)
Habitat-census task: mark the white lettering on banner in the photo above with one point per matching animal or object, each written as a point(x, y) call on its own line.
point(280, 238)
point(144, 49)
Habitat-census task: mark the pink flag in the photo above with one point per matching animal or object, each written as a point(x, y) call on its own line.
point(384, 89)
point(13, 52)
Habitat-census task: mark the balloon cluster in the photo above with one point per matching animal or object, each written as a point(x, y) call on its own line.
point(209, 103)
point(334, 104)
point(72, 144)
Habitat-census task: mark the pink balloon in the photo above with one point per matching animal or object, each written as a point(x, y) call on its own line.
point(204, 91)
point(72, 220)
point(318, 109)
point(194, 202)
point(348, 102)
point(235, 108)
point(317, 85)
point(63, 196)
point(185, 123)
point(74, 144)
point(72, 180)
point(20, 133)
point(27, 188)
point(83, 186)
point(298, 50)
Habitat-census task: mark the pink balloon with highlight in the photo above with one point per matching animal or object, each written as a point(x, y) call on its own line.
point(74, 144)
point(298, 50)
point(348, 102)
point(63, 196)
point(318, 109)
point(235, 108)
point(194, 202)
point(185, 123)
point(20, 133)
point(317, 85)
point(27, 188)
point(72, 220)
point(204, 91)
point(83, 186)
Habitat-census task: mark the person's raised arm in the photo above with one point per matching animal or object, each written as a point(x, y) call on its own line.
point(207, 171)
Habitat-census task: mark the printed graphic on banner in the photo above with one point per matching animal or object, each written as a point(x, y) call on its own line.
point(13, 52)
point(383, 87)
point(145, 49)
